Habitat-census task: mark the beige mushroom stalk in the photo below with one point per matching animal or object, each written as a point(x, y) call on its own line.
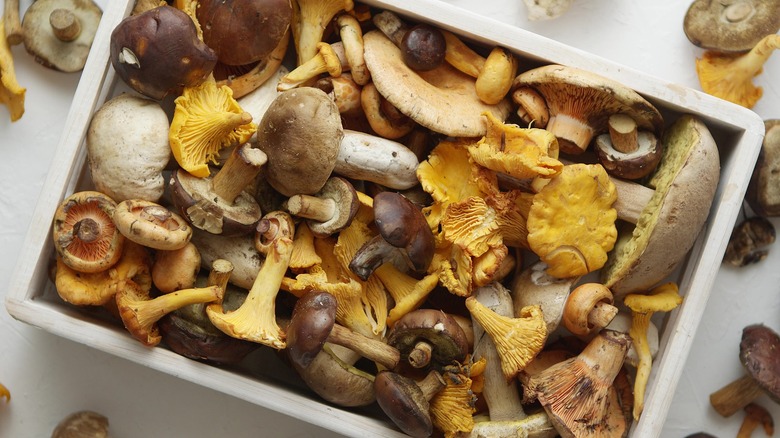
point(255, 320)
point(730, 76)
point(12, 23)
point(663, 298)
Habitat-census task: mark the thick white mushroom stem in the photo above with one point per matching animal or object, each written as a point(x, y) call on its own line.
point(373, 349)
point(372, 158)
point(311, 207)
point(631, 200)
point(64, 24)
point(623, 133)
point(238, 172)
point(13, 25)
point(502, 396)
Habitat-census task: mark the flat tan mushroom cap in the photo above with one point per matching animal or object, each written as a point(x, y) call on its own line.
point(443, 99)
point(40, 39)
point(588, 98)
point(685, 184)
point(733, 26)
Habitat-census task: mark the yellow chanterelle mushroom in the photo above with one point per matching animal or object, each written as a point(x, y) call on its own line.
point(11, 93)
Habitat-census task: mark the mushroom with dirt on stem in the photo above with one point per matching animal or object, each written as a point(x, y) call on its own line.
point(59, 33)
point(143, 56)
point(758, 351)
point(220, 204)
point(128, 149)
point(662, 298)
point(730, 27)
point(255, 320)
point(730, 76)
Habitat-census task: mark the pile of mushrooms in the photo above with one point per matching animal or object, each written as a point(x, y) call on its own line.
point(388, 213)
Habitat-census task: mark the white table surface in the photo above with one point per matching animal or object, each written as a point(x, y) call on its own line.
point(50, 377)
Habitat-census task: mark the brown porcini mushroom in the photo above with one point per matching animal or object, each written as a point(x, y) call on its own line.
point(230, 28)
point(220, 204)
point(404, 238)
point(730, 26)
point(749, 241)
point(585, 381)
point(670, 219)
point(313, 324)
point(85, 236)
point(758, 350)
point(144, 55)
point(580, 104)
point(443, 99)
point(328, 211)
point(59, 33)
point(406, 402)
point(763, 193)
point(428, 337)
point(151, 225)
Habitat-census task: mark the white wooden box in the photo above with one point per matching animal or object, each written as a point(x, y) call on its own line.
point(32, 298)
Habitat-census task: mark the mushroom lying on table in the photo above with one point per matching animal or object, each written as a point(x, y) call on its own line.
point(763, 192)
point(59, 33)
point(734, 26)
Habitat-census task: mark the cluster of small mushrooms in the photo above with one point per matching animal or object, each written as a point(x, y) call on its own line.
point(409, 219)
point(58, 34)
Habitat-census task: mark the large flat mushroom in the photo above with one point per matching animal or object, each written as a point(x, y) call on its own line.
point(443, 99)
point(59, 33)
point(671, 219)
point(580, 104)
point(732, 25)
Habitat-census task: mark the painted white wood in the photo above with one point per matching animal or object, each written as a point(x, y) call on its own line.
point(738, 131)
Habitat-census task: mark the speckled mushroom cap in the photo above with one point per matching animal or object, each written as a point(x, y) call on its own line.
point(59, 33)
point(731, 25)
point(759, 352)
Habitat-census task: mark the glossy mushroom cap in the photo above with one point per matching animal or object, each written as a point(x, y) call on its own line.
point(405, 402)
point(312, 320)
point(734, 26)
point(231, 28)
point(158, 52)
point(759, 352)
point(402, 225)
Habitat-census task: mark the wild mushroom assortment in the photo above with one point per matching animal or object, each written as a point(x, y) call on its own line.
point(341, 272)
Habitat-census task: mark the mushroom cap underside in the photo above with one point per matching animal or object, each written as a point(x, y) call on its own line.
point(731, 26)
point(442, 99)
point(685, 183)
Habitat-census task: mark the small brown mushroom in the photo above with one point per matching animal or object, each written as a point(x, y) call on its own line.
point(756, 415)
point(406, 402)
point(59, 33)
point(219, 204)
point(428, 337)
point(404, 238)
point(763, 193)
point(758, 353)
point(152, 225)
point(328, 211)
point(84, 233)
point(730, 26)
point(158, 52)
point(314, 322)
point(176, 269)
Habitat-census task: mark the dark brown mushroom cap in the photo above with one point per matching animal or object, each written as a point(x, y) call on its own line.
point(158, 52)
point(230, 27)
point(402, 225)
point(437, 328)
point(76, 29)
point(404, 402)
point(84, 233)
point(759, 352)
point(312, 321)
point(731, 26)
point(195, 200)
